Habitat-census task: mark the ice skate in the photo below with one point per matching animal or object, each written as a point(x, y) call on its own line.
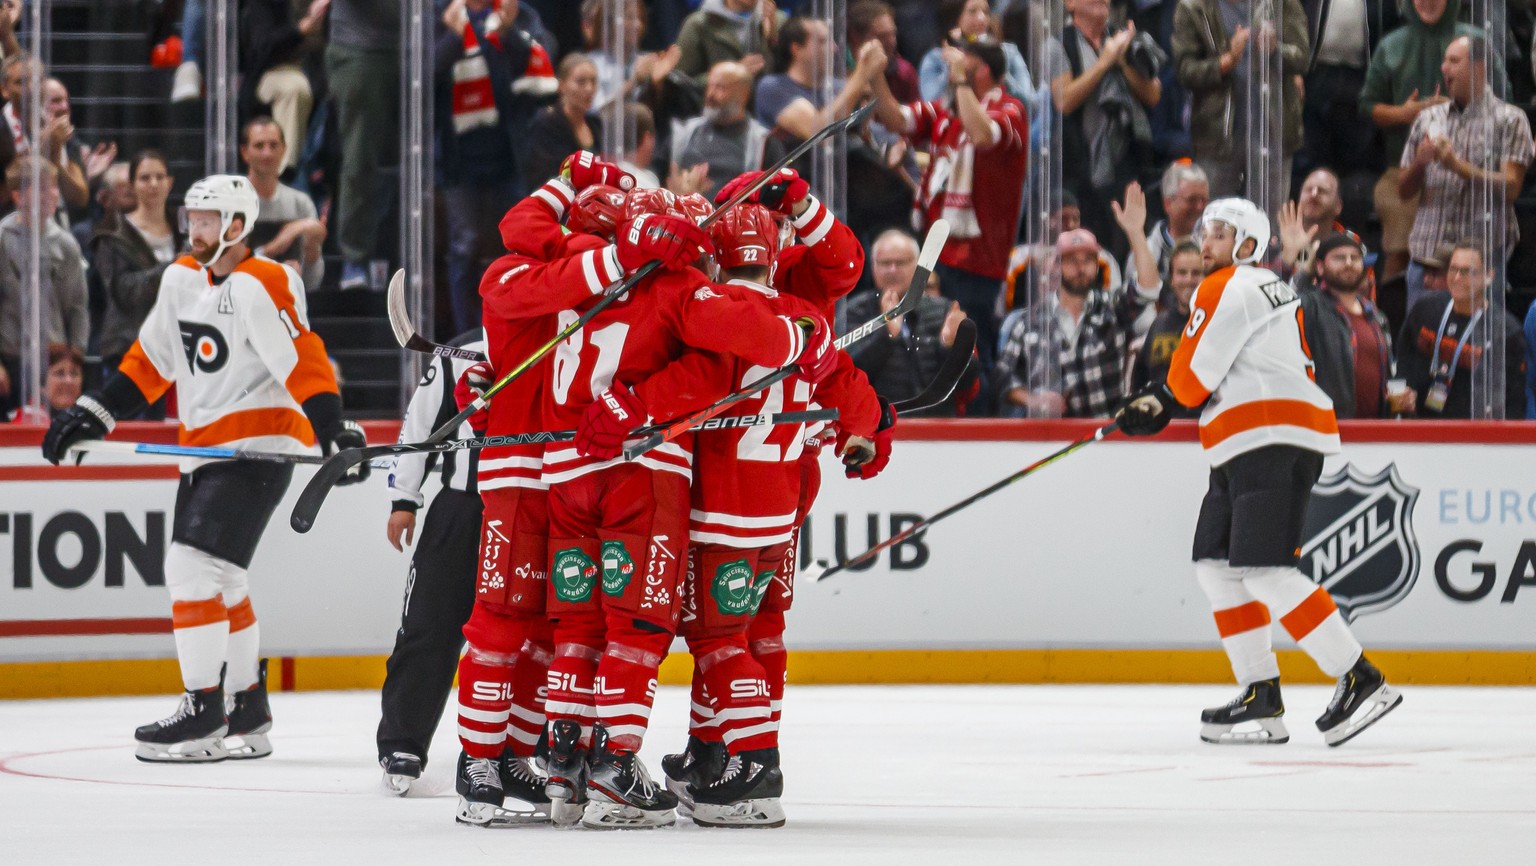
point(566, 763)
point(250, 718)
point(1359, 700)
point(699, 764)
point(620, 791)
point(191, 735)
point(401, 769)
point(1252, 718)
point(479, 787)
point(747, 795)
point(523, 797)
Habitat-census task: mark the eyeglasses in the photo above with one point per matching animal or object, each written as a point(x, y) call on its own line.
point(1462, 272)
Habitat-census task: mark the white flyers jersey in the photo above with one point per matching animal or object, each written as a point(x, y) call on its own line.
point(1245, 350)
point(240, 353)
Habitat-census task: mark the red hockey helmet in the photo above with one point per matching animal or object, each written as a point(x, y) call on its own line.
point(659, 202)
point(747, 235)
point(598, 210)
point(695, 206)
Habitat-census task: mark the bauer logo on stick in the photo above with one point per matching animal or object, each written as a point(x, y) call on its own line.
point(1359, 540)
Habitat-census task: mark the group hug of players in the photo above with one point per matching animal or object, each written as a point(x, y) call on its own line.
point(590, 563)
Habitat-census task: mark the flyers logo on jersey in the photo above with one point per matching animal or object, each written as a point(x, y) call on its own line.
point(207, 351)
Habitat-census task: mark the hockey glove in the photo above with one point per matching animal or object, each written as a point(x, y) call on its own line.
point(1148, 411)
point(819, 358)
point(608, 421)
point(470, 387)
point(786, 190)
point(864, 458)
point(674, 241)
point(583, 169)
point(339, 437)
point(87, 419)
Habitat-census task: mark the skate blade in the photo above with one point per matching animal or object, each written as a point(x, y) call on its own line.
point(565, 814)
point(492, 816)
point(204, 751)
point(1255, 732)
point(247, 746)
point(1382, 701)
point(683, 795)
point(603, 815)
point(397, 784)
point(762, 814)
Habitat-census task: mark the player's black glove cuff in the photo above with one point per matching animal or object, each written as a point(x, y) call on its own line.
point(1148, 411)
point(887, 415)
point(335, 434)
point(87, 419)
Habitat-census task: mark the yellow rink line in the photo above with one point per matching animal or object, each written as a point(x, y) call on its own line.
point(310, 673)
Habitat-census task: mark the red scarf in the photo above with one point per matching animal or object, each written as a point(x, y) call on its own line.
point(474, 102)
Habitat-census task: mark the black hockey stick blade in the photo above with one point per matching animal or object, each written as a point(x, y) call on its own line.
point(312, 497)
point(617, 290)
point(948, 378)
point(405, 330)
point(922, 525)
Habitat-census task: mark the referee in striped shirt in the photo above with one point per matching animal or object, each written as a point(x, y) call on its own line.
point(440, 587)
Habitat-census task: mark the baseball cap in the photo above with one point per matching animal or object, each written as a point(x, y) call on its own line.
point(1075, 240)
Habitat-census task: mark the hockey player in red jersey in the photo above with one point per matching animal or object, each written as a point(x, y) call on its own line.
point(745, 501)
point(509, 641)
point(631, 517)
point(229, 330)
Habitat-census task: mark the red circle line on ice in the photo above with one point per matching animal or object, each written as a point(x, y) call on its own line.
point(7, 767)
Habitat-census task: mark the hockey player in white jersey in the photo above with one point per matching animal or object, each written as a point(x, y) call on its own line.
point(229, 330)
point(1266, 428)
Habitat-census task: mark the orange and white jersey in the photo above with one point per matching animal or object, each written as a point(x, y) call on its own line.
point(240, 353)
point(1244, 349)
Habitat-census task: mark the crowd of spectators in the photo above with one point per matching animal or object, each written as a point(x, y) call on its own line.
point(1405, 124)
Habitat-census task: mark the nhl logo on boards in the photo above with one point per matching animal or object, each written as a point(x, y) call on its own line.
point(732, 588)
point(1358, 539)
point(573, 575)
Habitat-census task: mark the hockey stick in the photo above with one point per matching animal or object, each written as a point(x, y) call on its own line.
point(933, 244)
point(99, 446)
point(405, 332)
point(923, 524)
point(617, 290)
point(331, 471)
point(948, 378)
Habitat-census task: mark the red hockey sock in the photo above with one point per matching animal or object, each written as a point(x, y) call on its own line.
point(626, 680)
point(701, 708)
point(485, 697)
point(740, 690)
point(765, 639)
point(573, 671)
point(529, 676)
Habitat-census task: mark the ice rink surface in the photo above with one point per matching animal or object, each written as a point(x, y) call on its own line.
point(918, 774)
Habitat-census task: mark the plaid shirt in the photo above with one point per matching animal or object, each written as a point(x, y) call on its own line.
point(1487, 133)
point(1038, 354)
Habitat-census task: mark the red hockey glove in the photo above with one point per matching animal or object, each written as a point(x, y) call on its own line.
point(819, 358)
point(674, 241)
point(786, 190)
point(583, 169)
point(471, 386)
point(864, 458)
point(607, 421)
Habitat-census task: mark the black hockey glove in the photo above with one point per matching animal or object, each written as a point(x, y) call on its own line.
point(334, 434)
point(87, 419)
point(93, 416)
point(1148, 411)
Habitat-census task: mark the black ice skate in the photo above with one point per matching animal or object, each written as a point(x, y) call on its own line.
point(523, 797)
point(747, 795)
point(250, 718)
point(1253, 718)
point(566, 763)
point(401, 769)
point(700, 764)
point(193, 734)
point(620, 791)
point(479, 787)
point(1360, 699)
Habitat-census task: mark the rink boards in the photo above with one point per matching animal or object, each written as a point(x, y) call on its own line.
point(1424, 533)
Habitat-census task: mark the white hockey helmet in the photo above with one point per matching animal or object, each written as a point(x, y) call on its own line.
point(1246, 220)
point(231, 195)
